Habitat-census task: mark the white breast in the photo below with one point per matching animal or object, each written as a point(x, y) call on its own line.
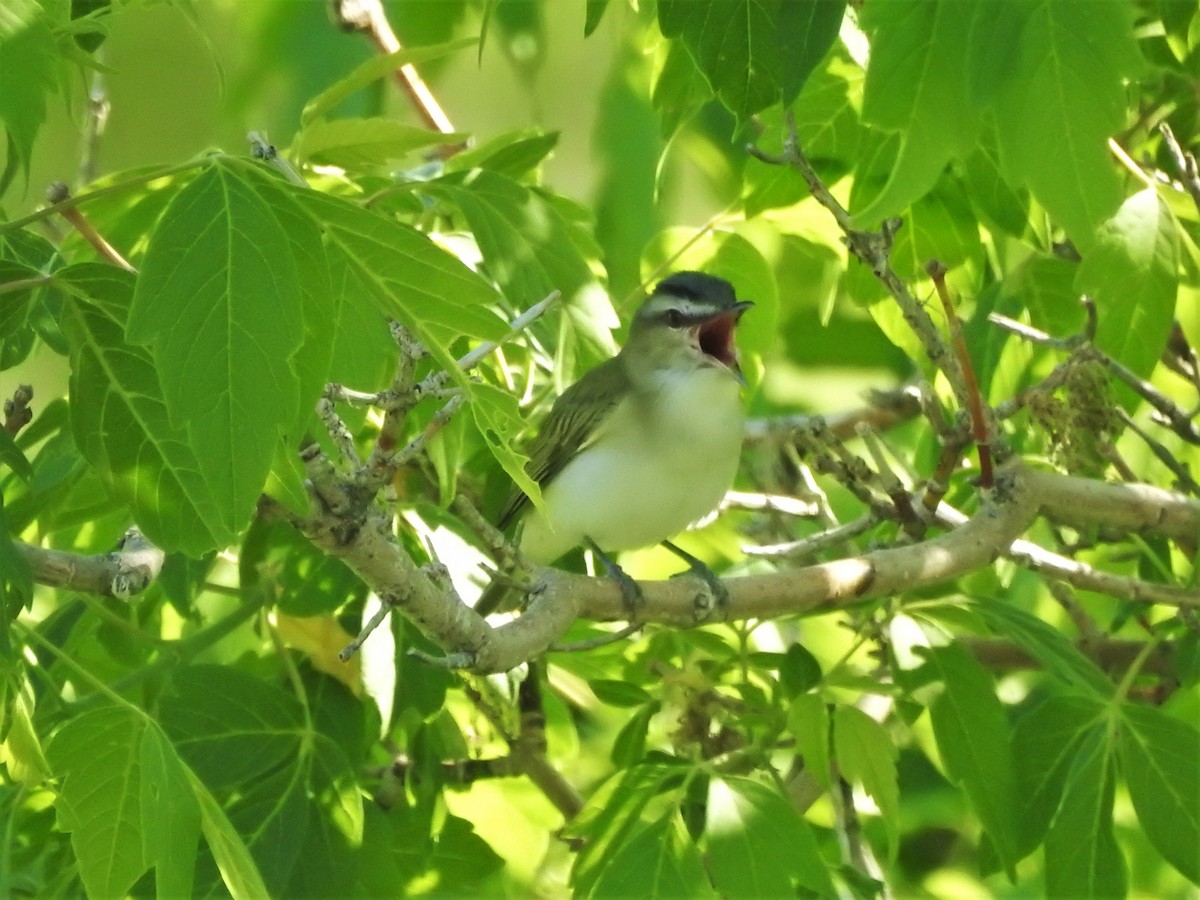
point(660, 463)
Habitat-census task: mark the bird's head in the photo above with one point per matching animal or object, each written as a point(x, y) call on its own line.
point(695, 311)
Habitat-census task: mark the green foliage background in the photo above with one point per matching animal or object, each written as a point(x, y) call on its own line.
point(202, 738)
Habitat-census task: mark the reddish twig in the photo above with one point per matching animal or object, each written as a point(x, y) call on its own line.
point(979, 427)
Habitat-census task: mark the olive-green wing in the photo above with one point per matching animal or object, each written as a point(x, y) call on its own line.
point(575, 417)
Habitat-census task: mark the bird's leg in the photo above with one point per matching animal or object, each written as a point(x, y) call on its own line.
point(630, 592)
point(715, 586)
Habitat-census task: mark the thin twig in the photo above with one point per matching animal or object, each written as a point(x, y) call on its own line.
point(979, 423)
point(810, 546)
point(1185, 163)
point(370, 17)
point(56, 194)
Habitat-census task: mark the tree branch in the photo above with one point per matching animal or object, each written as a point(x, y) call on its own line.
point(121, 573)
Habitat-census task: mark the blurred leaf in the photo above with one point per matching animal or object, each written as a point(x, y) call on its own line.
point(627, 144)
point(515, 154)
point(757, 843)
point(629, 746)
point(321, 639)
point(808, 721)
point(866, 754)
point(1082, 856)
point(1160, 759)
point(373, 69)
point(658, 860)
point(973, 742)
point(619, 693)
point(365, 142)
point(799, 672)
point(170, 816)
point(1131, 271)
point(11, 456)
point(29, 63)
point(595, 12)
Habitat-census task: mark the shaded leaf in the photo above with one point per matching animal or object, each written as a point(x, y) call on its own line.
point(973, 741)
point(657, 859)
point(757, 844)
point(866, 754)
point(1082, 856)
point(121, 424)
point(1160, 759)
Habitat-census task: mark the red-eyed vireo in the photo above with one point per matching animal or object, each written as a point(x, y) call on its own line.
point(647, 443)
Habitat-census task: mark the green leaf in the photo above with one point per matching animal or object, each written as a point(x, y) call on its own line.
point(866, 754)
point(595, 12)
point(916, 85)
point(29, 62)
point(230, 727)
point(499, 420)
point(1131, 271)
point(170, 816)
point(218, 301)
point(525, 242)
point(373, 69)
point(98, 757)
point(237, 868)
point(757, 844)
point(973, 741)
point(618, 693)
point(407, 276)
point(799, 671)
point(657, 859)
point(754, 52)
point(1058, 69)
point(1050, 647)
point(120, 420)
point(808, 721)
point(1160, 759)
point(365, 142)
point(11, 456)
point(1045, 743)
point(514, 154)
point(629, 746)
point(611, 814)
point(1082, 856)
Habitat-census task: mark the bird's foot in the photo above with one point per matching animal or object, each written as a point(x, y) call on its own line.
point(718, 595)
point(631, 594)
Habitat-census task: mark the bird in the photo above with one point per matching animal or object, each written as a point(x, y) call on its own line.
point(644, 444)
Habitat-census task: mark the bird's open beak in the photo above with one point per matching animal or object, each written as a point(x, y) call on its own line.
point(715, 337)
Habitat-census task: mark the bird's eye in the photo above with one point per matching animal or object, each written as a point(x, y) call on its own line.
point(674, 318)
